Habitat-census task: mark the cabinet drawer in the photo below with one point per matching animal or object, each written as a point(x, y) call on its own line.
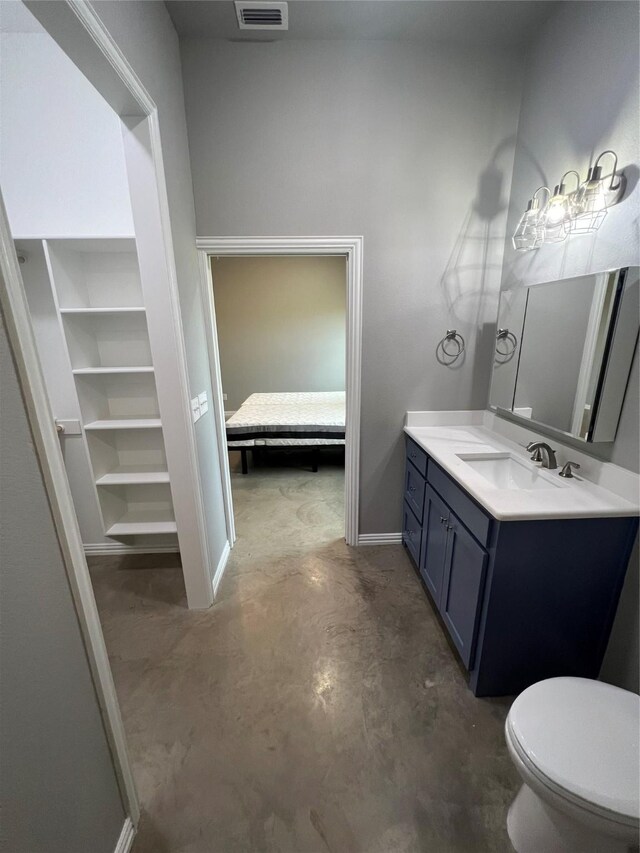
point(417, 456)
point(464, 507)
point(414, 486)
point(411, 533)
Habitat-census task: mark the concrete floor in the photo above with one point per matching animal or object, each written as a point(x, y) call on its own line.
point(316, 707)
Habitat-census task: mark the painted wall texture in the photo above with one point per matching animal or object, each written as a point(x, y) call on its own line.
point(281, 324)
point(408, 144)
point(58, 788)
point(54, 129)
point(580, 97)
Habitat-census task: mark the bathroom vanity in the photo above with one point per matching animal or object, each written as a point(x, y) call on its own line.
point(524, 568)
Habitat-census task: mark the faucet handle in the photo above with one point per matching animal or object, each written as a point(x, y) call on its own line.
point(537, 456)
point(566, 470)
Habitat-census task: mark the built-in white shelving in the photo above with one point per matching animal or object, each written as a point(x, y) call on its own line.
point(122, 477)
point(125, 423)
point(94, 371)
point(102, 311)
point(99, 301)
point(135, 524)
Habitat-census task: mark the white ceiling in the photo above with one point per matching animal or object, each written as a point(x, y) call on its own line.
point(468, 22)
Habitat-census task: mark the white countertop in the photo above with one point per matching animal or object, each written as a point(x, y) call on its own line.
point(572, 498)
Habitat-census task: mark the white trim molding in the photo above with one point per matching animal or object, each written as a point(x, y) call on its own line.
point(222, 565)
point(380, 539)
point(125, 841)
point(352, 249)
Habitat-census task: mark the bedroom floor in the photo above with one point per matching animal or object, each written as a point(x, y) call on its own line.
point(316, 707)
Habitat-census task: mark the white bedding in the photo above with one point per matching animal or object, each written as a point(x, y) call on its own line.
point(288, 420)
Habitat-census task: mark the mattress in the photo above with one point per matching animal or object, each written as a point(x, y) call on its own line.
point(307, 418)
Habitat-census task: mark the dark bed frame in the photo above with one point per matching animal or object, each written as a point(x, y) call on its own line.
point(314, 449)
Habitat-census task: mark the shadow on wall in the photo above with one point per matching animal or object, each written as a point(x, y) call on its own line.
point(475, 264)
point(470, 283)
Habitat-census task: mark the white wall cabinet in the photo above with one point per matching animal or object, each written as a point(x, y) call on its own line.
point(90, 321)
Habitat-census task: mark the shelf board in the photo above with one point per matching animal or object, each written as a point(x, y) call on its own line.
point(100, 371)
point(132, 474)
point(125, 423)
point(140, 523)
point(124, 310)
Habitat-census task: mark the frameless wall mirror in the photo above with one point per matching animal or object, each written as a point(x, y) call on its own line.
point(564, 351)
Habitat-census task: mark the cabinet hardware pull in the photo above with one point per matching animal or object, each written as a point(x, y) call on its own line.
point(412, 488)
point(442, 519)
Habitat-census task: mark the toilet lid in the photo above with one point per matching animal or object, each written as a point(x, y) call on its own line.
point(584, 736)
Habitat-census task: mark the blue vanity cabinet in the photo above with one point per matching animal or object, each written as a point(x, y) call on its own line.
point(434, 543)
point(462, 588)
point(521, 600)
point(453, 567)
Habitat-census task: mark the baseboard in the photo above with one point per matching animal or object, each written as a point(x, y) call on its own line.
point(222, 565)
point(107, 549)
point(380, 539)
point(126, 837)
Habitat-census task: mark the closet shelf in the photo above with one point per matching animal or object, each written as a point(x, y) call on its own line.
point(132, 476)
point(123, 310)
point(96, 371)
point(138, 523)
point(125, 423)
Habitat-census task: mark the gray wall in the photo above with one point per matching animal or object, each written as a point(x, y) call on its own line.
point(580, 97)
point(410, 145)
point(281, 324)
point(147, 38)
point(58, 788)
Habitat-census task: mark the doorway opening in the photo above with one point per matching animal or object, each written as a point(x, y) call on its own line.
point(309, 425)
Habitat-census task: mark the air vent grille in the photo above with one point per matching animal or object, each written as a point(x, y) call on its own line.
point(261, 15)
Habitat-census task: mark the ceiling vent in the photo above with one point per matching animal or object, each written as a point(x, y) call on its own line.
point(262, 15)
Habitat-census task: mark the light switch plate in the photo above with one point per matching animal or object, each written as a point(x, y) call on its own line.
point(195, 409)
point(204, 408)
point(202, 398)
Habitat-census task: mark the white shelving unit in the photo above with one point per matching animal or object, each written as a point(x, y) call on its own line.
point(99, 307)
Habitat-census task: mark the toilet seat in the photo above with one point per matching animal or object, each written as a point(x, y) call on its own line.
point(580, 740)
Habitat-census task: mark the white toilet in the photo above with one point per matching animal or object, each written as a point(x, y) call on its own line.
point(576, 744)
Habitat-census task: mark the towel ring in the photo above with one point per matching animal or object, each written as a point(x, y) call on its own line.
point(506, 335)
point(458, 340)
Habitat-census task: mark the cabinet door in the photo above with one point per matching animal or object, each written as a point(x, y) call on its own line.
point(411, 533)
point(466, 566)
point(434, 543)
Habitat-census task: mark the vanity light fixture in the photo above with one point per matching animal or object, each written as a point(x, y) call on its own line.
point(580, 211)
point(528, 234)
point(594, 196)
point(558, 212)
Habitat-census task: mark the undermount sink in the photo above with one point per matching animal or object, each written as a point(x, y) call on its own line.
point(505, 471)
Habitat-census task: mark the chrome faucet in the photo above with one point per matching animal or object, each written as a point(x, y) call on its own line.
point(543, 453)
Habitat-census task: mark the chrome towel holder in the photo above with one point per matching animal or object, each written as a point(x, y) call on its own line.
point(506, 335)
point(456, 338)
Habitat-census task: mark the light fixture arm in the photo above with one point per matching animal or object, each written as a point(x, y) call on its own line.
point(547, 190)
point(615, 167)
point(570, 172)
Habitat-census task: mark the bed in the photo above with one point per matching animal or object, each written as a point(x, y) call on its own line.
point(312, 419)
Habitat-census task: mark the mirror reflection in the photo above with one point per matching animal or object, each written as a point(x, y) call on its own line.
point(564, 350)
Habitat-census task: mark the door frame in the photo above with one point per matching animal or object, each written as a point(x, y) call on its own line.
point(13, 302)
point(78, 29)
point(352, 249)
